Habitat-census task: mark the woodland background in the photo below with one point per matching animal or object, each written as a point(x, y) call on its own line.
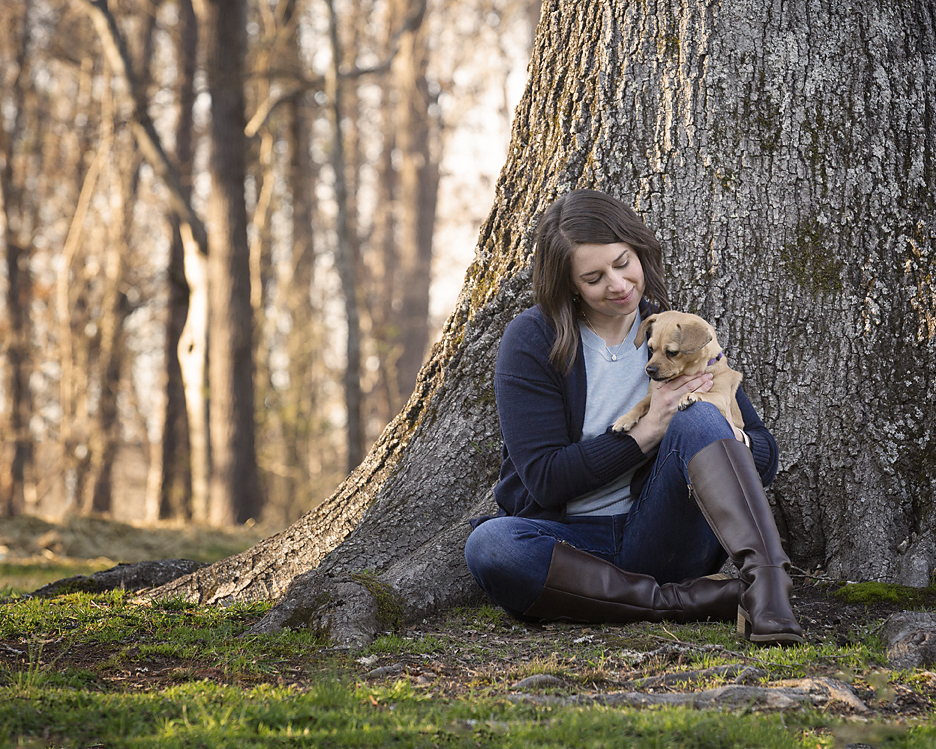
point(291, 166)
point(357, 229)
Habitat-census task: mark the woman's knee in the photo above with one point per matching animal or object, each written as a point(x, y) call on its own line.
point(488, 547)
point(507, 558)
point(701, 419)
point(701, 415)
point(695, 428)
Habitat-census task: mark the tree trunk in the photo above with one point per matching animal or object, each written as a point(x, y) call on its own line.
point(417, 136)
point(235, 486)
point(794, 216)
point(105, 437)
point(16, 250)
point(175, 481)
point(75, 349)
point(300, 398)
point(344, 255)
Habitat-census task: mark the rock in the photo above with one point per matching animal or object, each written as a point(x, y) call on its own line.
point(911, 640)
point(789, 695)
point(385, 671)
point(538, 681)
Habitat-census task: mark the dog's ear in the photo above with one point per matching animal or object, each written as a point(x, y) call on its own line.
point(645, 329)
point(692, 337)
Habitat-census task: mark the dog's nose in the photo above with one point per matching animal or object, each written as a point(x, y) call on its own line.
point(651, 371)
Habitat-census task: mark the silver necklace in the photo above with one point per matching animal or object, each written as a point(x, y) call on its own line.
point(612, 354)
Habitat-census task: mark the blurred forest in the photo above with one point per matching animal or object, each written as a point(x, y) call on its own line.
point(231, 231)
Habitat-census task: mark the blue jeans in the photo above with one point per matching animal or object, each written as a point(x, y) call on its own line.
point(664, 535)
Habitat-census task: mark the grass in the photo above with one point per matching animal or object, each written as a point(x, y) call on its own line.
point(20, 576)
point(86, 670)
point(334, 713)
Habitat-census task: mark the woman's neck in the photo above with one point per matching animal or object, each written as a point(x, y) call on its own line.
point(612, 329)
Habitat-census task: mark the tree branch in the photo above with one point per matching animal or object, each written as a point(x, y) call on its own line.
point(412, 22)
point(115, 49)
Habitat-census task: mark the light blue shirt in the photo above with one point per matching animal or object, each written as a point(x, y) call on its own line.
point(613, 387)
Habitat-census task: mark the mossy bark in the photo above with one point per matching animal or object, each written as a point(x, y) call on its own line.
point(784, 154)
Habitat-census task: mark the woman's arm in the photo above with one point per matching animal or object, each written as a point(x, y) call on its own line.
point(536, 428)
point(763, 445)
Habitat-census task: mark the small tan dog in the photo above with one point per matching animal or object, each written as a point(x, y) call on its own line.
point(682, 343)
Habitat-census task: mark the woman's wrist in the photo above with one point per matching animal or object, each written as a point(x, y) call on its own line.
point(645, 436)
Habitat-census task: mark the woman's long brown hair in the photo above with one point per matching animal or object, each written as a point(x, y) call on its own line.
point(586, 217)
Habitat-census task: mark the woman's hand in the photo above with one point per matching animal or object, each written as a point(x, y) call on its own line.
point(664, 403)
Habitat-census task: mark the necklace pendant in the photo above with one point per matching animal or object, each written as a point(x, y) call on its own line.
point(613, 357)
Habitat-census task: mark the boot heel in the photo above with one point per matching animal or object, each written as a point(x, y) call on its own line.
point(744, 624)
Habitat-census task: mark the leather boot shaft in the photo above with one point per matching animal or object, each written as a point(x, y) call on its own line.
point(581, 587)
point(726, 486)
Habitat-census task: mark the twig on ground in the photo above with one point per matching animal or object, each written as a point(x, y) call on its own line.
point(714, 648)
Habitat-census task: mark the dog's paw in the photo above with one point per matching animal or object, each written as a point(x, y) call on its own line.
point(687, 400)
point(625, 423)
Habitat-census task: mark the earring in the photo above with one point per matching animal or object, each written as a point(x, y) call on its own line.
point(576, 298)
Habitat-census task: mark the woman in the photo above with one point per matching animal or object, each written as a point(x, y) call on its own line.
point(600, 526)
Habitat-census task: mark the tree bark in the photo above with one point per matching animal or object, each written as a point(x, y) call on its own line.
point(345, 260)
point(235, 486)
point(417, 138)
point(175, 480)
point(794, 215)
point(16, 249)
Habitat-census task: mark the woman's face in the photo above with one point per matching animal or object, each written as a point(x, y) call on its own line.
point(608, 278)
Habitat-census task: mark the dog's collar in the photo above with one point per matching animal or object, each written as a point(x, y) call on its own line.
point(715, 360)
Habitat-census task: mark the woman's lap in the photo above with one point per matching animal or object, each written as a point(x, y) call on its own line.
point(664, 535)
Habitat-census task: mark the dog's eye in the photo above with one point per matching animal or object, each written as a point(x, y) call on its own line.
point(650, 349)
point(671, 354)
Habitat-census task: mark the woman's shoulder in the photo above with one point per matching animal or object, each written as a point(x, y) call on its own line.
point(530, 321)
point(529, 333)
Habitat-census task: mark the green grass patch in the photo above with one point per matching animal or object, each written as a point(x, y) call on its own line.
point(24, 577)
point(875, 592)
point(166, 632)
point(336, 713)
point(87, 670)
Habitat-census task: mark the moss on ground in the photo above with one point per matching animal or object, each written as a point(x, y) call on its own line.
point(875, 592)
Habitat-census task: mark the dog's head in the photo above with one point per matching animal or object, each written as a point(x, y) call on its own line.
point(679, 343)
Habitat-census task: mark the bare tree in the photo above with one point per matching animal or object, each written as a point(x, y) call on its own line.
point(173, 499)
point(344, 254)
point(105, 433)
point(16, 248)
point(235, 487)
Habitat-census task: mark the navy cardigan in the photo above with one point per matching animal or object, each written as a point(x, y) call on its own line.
point(546, 462)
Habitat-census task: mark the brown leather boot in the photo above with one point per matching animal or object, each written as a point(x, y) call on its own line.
point(583, 588)
point(728, 489)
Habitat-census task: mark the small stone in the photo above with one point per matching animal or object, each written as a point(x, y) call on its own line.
point(911, 640)
point(385, 670)
point(538, 681)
